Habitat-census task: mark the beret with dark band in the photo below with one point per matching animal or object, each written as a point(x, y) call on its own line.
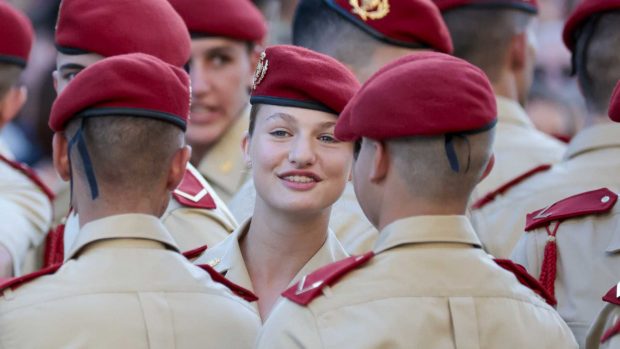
point(614, 104)
point(530, 6)
point(579, 16)
point(17, 35)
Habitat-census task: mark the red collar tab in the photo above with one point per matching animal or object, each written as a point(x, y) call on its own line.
point(504, 188)
point(54, 250)
point(591, 202)
point(192, 193)
point(18, 281)
point(311, 285)
point(195, 253)
point(29, 172)
point(612, 331)
point(526, 279)
point(612, 296)
point(236, 289)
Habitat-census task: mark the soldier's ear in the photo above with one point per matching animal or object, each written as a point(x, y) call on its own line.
point(178, 167)
point(488, 169)
point(11, 103)
point(380, 161)
point(518, 51)
point(245, 148)
point(60, 156)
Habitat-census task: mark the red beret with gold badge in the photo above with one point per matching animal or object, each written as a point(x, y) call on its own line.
point(581, 14)
point(135, 84)
point(115, 27)
point(421, 94)
point(327, 86)
point(530, 6)
point(614, 104)
point(17, 36)
point(234, 19)
point(406, 23)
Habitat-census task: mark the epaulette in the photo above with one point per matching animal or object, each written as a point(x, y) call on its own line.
point(612, 297)
point(526, 279)
point(28, 172)
point(236, 289)
point(311, 285)
point(502, 189)
point(591, 202)
point(15, 282)
point(195, 253)
point(192, 192)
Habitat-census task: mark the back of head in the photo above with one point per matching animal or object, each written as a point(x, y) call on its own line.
point(15, 45)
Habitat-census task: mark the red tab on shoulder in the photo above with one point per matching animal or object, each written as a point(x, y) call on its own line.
point(195, 253)
point(591, 202)
point(192, 193)
point(28, 172)
point(492, 195)
point(54, 248)
point(311, 285)
point(18, 281)
point(612, 331)
point(236, 289)
point(612, 296)
point(526, 279)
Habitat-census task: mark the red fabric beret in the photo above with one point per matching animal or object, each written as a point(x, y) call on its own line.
point(581, 14)
point(116, 27)
point(614, 105)
point(407, 23)
point(126, 85)
point(420, 94)
point(17, 36)
point(328, 85)
point(525, 5)
point(235, 19)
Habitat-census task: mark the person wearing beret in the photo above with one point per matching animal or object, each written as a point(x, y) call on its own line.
point(86, 32)
point(25, 202)
point(299, 169)
point(427, 283)
point(364, 40)
point(605, 330)
point(125, 283)
point(226, 44)
point(498, 36)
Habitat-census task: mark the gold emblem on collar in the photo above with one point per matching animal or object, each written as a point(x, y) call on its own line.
point(370, 9)
point(261, 70)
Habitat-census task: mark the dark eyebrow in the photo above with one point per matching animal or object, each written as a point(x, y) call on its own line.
point(72, 66)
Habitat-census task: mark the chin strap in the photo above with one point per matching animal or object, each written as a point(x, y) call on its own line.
point(78, 139)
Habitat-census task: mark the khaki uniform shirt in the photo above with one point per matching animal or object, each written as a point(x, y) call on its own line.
point(592, 161)
point(347, 221)
point(606, 319)
point(125, 286)
point(190, 227)
point(227, 259)
point(223, 166)
point(588, 262)
point(430, 285)
point(25, 214)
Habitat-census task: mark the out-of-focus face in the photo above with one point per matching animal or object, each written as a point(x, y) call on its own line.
point(298, 165)
point(68, 66)
point(221, 72)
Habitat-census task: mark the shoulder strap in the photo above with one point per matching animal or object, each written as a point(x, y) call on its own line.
point(612, 296)
point(236, 289)
point(14, 283)
point(526, 279)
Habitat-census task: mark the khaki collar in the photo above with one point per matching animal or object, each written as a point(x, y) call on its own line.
point(5, 151)
point(146, 232)
point(594, 138)
point(223, 166)
point(511, 112)
point(427, 229)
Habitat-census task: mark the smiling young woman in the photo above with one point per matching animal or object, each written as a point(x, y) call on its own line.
point(299, 169)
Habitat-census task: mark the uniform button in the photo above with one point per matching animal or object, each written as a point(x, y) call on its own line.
point(605, 199)
point(212, 263)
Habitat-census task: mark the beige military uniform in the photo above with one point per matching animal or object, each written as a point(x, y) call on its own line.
point(608, 318)
point(25, 214)
point(190, 227)
point(588, 262)
point(227, 259)
point(125, 286)
point(592, 161)
point(223, 166)
point(347, 220)
point(430, 285)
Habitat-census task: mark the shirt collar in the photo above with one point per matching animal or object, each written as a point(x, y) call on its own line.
point(594, 137)
point(511, 112)
point(331, 251)
point(5, 151)
point(126, 226)
point(427, 229)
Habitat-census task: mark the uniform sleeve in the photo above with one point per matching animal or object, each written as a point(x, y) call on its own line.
point(529, 252)
point(290, 326)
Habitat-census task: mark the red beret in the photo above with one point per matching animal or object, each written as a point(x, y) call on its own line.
point(525, 5)
point(581, 14)
point(420, 94)
point(235, 19)
point(116, 27)
point(407, 23)
point(327, 86)
point(614, 105)
point(17, 36)
point(126, 85)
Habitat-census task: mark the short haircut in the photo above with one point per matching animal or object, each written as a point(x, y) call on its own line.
point(130, 154)
point(423, 163)
point(482, 35)
point(10, 75)
point(597, 60)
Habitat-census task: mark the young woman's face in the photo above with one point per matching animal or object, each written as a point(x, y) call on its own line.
point(297, 163)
